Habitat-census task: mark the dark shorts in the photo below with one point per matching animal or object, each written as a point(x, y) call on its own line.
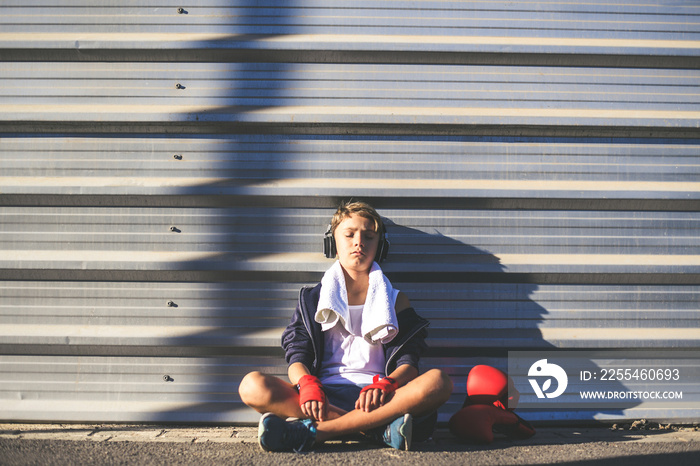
point(343, 396)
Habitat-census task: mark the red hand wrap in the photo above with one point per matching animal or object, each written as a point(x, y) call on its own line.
point(387, 384)
point(310, 389)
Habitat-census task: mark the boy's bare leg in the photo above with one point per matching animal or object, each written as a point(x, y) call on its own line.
point(421, 396)
point(270, 394)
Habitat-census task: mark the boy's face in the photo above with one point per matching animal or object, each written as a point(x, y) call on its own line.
point(356, 243)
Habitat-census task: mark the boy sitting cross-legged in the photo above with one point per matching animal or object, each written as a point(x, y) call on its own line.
point(353, 347)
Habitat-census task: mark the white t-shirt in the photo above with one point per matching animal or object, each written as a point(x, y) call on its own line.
point(349, 358)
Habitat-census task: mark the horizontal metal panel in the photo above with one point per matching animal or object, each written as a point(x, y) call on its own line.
point(269, 165)
point(532, 27)
point(365, 88)
point(113, 389)
point(349, 94)
point(615, 6)
point(466, 317)
point(415, 18)
point(289, 240)
point(338, 115)
point(127, 389)
point(117, 79)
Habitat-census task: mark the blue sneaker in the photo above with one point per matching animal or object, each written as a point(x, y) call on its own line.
point(397, 434)
point(276, 434)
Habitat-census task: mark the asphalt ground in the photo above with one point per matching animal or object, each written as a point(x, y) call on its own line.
point(53, 444)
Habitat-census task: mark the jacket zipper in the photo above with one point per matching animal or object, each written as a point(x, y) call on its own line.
point(388, 362)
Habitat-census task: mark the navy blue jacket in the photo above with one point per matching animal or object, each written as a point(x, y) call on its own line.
point(302, 340)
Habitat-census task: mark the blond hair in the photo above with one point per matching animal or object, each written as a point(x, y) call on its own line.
point(346, 209)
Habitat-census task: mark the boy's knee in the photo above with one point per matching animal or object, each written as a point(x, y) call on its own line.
point(438, 383)
point(252, 387)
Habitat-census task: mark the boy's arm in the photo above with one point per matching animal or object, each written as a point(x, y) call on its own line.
point(404, 374)
point(297, 343)
point(295, 371)
point(312, 400)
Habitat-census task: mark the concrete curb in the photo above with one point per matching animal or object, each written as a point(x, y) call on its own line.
point(129, 433)
point(248, 434)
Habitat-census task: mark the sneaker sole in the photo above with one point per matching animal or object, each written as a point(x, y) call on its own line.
point(261, 430)
point(406, 431)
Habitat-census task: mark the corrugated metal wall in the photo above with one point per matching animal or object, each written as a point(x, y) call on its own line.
point(167, 172)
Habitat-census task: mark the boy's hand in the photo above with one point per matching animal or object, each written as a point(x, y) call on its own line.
point(375, 395)
point(316, 410)
point(371, 399)
point(312, 399)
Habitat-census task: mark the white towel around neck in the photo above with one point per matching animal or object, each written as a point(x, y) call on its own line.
point(379, 322)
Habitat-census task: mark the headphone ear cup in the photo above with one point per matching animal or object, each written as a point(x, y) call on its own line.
point(382, 249)
point(329, 248)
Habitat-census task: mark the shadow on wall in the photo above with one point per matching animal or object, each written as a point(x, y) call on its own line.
point(476, 317)
point(479, 313)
